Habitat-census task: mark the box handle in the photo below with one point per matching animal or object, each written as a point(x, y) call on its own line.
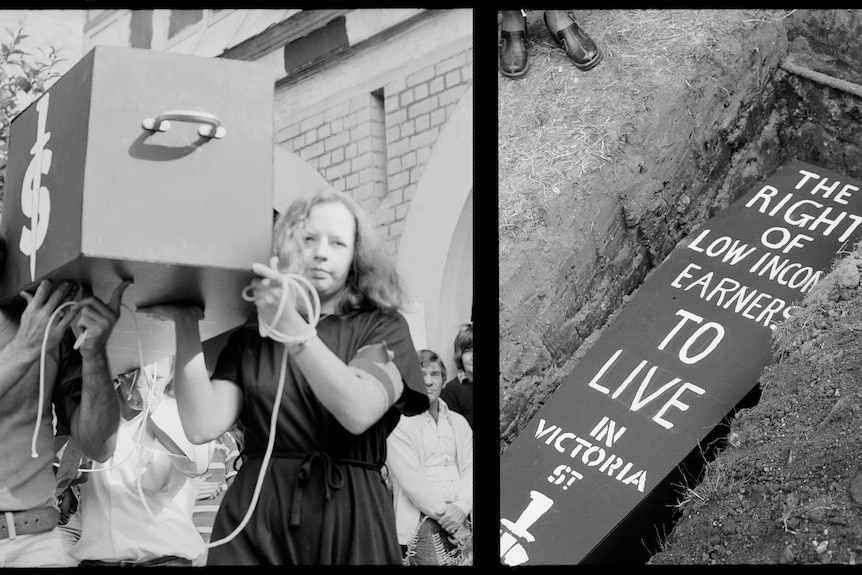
point(211, 128)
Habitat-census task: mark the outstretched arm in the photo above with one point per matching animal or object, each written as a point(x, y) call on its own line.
point(207, 408)
point(95, 422)
point(356, 398)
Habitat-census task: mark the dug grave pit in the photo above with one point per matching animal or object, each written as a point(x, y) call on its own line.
point(774, 116)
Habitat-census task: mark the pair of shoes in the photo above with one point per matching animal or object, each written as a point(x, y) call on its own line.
point(579, 47)
point(514, 61)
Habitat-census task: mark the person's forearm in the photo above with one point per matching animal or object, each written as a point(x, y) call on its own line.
point(403, 463)
point(98, 418)
point(15, 361)
point(203, 416)
point(356, 403)
point(428, 501)
point(418, 489)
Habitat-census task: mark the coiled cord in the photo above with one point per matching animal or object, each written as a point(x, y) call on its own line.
point(303, 287)
point(43, 355)
point(148, 402)
point(312, 306)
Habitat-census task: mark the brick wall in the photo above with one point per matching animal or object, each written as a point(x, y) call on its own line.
point(375, 145)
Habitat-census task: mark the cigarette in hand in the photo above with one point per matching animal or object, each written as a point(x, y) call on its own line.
point(80, 341)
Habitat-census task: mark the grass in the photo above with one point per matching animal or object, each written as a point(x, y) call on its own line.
point(716, 482)
point(558, 125)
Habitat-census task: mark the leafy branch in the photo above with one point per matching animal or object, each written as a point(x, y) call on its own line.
point(24, 76)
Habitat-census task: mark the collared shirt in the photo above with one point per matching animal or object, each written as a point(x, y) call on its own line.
point(440, 448)
point(431, 465)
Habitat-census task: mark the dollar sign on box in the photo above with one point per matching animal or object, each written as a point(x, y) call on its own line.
point(35, 198)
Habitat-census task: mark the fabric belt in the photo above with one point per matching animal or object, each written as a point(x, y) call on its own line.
point(334, 478)
point(14, 523)
point(167, 560)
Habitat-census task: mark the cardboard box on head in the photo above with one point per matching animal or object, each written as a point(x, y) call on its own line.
point(147, 166)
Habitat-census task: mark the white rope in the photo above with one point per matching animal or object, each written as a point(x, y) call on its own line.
point(150, 389)
point(152, 399)
point(33, 453)
point(312, 307)
point(149, 400)
point(302, 284)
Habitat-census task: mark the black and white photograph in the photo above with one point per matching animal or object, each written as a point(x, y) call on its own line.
point(679, 225)
point(236, 287)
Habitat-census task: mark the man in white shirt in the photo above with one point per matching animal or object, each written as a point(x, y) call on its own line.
point(430, 459)
point(136, 508)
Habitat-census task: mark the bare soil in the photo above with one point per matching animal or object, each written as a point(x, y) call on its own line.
point(787, 489)
point(584, 154)
point(787, 486)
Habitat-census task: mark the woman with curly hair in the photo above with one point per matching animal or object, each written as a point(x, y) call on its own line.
point(346, 382)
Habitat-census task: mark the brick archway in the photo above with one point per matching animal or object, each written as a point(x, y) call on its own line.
point(435, 256)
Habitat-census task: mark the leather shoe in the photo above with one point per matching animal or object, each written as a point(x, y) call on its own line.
point(579, 47)
point(513, 55)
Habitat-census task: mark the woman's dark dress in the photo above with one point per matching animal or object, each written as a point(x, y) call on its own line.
point(350, 524)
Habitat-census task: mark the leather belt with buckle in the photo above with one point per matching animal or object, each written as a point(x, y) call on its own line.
point(27, 522)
